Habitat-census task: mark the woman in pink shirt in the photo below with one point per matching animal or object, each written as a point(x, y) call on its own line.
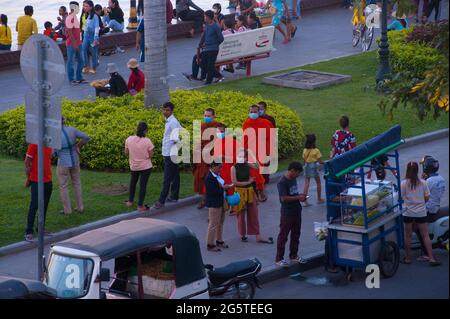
point(241, 24)
point(139, 150)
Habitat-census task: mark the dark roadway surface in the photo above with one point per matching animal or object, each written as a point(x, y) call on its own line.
point(417, 280)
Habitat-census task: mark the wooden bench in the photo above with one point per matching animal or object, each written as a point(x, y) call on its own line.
point(246, 59)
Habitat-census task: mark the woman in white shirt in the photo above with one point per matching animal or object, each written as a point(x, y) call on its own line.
point(415, 194)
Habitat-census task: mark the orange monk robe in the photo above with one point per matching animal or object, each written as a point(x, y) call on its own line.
point(200, 170)
point(254, 145)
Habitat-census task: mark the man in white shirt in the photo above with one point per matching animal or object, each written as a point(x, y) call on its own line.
point(169, 153)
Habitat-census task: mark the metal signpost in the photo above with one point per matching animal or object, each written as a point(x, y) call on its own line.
point(43, 68)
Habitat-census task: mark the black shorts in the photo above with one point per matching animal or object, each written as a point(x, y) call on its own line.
point(417, 220)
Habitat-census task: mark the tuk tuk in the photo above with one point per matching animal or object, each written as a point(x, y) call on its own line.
point(141, 258)
point(15, 288)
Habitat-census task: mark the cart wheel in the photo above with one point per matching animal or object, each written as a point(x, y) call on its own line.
point(389, 259)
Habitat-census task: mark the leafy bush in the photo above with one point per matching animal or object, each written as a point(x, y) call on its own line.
point(410, 57)
point(420, 60)
point(110, 121)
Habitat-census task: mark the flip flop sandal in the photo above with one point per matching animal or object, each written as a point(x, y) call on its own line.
point(423, 258)
point(145, 208)
point(244, 239)
point(266, 241)
point(213, 248)
point(406, 261)
point(222, 244)
point(128, 203)
point(434, 263)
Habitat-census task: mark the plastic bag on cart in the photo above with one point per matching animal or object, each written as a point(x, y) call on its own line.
point(321, 230)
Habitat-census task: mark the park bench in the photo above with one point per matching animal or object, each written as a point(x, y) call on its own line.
point(244, 47)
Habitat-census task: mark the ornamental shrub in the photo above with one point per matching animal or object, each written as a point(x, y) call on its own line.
point(110, 121)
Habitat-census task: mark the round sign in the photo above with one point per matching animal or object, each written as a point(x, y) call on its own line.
point(54, 70)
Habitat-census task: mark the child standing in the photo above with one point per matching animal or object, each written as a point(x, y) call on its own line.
point(312, 158)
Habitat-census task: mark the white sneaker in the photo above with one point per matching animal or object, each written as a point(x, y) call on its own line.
point(298, 260)
point(282, 263)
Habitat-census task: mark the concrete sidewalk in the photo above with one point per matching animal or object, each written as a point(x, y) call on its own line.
point(322, 34)
point(24, 264)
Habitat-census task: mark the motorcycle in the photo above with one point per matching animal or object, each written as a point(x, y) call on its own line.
point(437, 229)
point(236, 280)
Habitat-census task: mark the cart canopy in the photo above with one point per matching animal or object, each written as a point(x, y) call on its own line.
point(363, 153)
point(18, 288)
point(129, 236)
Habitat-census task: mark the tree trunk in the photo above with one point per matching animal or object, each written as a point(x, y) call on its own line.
point(156, 69)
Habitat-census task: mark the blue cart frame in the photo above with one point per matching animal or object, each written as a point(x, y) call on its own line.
point(379, 239)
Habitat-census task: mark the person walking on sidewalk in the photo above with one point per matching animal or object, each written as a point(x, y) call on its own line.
point(31, 171)
point(211, 39)
point(26, 26)
point(200, 170)
point(312, 159)
point(246, 210)
point(291, 215)
point(139, 150)
point(169, 152)
point(214, 200)
point(69, 166)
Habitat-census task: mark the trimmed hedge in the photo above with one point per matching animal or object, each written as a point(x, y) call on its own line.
point(110, 121)
point(410, 57)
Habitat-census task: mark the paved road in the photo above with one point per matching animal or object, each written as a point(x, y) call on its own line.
point(24, 264)
point(415, 281)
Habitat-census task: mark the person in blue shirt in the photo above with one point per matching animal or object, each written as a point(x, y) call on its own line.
point(398, 23)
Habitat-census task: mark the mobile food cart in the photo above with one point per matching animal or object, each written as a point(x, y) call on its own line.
point(365, 216)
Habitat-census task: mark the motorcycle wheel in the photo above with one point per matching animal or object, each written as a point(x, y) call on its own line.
point(389, 259)
point(245, 289)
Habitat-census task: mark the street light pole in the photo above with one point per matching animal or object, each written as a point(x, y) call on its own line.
point(384, 70)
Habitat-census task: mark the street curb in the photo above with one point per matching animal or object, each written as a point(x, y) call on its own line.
point(423, 138)
point(68, 233)
point(274, 272)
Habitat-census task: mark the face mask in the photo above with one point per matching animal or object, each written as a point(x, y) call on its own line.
point(261, 112)
point(220, 135)
point(253, 116)
point(207, 119)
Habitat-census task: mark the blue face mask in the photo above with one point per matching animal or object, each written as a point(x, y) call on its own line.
point(207, 119)
point(220, 135)
point(253, 116)
point(261, 112)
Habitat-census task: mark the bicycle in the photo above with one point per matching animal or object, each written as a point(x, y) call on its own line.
point(361, 32)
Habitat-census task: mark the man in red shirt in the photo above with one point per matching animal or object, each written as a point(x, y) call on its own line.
point(31, 170)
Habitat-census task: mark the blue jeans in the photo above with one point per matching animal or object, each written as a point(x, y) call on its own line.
point(87, 41)
point(113, 24)
point(71, 53)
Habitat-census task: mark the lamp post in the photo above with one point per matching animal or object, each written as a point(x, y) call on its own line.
point(133, 21)
point(384, 70)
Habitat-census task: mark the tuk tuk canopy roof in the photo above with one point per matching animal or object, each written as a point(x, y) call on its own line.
point(129, 236)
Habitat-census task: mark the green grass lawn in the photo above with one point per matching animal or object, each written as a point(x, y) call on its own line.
point(318, 109)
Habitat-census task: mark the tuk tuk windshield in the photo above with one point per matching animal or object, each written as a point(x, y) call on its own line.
point(69, 276)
